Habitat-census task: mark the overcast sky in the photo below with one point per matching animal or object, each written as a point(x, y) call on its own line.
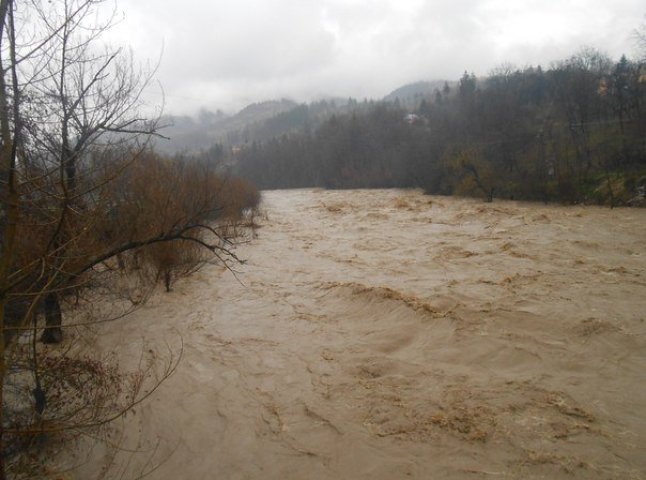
point(228, 53)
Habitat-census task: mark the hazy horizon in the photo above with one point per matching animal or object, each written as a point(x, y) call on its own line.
point(219, 55)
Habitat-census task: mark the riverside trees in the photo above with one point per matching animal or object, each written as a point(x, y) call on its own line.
point(571, 133)
point(81, 199)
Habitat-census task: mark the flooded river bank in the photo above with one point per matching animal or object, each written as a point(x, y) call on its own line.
point(384, 334)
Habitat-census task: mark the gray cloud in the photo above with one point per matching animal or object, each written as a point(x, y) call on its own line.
point(223, 54)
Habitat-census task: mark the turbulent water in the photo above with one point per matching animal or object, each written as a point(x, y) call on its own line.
point(384, 334)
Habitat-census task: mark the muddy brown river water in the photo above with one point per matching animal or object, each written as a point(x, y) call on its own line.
point(384, 334)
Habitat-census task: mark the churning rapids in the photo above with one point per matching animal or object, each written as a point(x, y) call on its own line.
point(384, 334)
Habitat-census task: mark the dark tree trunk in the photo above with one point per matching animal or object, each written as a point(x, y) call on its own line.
point(53, 332)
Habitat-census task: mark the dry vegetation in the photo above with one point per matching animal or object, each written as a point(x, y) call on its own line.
point(157, 222)
point(90, 219)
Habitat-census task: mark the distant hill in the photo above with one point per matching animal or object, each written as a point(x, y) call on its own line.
point(411, 94)
point(262, 111)
point(188, 134)
point(273, 118)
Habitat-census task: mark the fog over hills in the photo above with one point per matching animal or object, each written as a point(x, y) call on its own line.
point(412, 93)
point(271, 118)
point(189, 134)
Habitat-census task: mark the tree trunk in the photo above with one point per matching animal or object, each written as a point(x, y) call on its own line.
point(53, 332)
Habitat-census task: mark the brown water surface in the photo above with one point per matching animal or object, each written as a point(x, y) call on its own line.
point(384, 334)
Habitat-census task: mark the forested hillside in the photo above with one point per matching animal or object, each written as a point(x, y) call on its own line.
point(574, 132)
point(256, 122)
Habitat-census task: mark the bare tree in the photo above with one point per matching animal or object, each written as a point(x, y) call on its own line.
point(78, 187)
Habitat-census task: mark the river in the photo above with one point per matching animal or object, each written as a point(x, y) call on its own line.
point(385, 334)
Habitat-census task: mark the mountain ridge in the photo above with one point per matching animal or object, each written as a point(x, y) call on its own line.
point(269, 118)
